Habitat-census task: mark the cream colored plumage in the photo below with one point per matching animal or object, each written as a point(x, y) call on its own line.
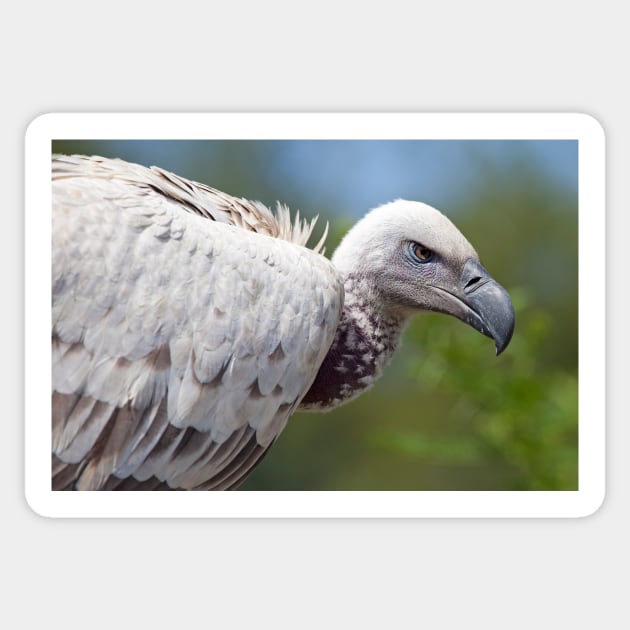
point(155, 308)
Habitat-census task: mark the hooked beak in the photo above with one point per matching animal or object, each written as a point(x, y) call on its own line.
point(482, 303)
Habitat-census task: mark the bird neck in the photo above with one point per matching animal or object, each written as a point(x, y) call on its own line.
point(363, 345)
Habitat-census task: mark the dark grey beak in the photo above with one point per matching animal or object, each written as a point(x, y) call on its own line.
point(482, 303)
point(491, 310)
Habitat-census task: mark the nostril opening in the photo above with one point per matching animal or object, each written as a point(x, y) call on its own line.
point(471, 283)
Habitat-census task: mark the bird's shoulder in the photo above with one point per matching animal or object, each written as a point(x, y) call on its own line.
point(90, 176)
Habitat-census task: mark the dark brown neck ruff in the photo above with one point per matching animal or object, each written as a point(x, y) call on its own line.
point(363, 345)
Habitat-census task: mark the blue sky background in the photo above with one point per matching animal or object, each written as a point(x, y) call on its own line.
point(350, 177)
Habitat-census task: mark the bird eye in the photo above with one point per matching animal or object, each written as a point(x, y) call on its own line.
point(421, 253)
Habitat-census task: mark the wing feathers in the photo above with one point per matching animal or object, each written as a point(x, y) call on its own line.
point(248, 455)
point(64, 475)
point(181, 345)
point(150, 425)
point(106, 451)
point(82, 430)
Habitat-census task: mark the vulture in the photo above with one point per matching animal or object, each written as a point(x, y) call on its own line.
point(188, 325)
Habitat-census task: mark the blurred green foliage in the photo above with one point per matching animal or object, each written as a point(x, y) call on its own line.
point(447, 414)
point(520, 415)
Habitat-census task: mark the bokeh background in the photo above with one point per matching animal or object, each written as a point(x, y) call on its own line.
point(448, 414)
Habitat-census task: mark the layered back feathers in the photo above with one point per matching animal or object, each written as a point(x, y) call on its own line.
point(195, 197)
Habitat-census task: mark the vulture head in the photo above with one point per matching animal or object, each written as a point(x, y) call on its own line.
point(412, 258)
